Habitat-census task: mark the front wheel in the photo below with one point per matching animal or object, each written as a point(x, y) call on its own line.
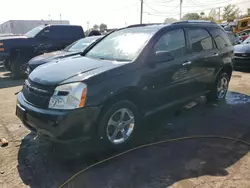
point(118, 124)
point(220, 88)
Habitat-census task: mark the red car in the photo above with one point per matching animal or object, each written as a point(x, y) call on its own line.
point(243, 35)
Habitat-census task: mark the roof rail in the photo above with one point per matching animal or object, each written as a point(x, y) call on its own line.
point(142, 25)
point(195, 21)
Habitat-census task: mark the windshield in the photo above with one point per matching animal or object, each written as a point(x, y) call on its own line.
point(34, 32)
point(247, 41)
point(123, 45)
point(82, 44)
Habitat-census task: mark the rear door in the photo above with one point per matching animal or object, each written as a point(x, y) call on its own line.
point(224, 47)
point(168, 79)
point(205, 57)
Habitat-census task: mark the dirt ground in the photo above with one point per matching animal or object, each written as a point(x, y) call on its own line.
point(196, 163)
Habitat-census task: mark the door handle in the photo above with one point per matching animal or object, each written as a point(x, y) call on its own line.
point(186, 63)
point(215, 54)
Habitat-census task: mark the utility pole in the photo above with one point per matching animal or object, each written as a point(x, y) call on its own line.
point(219, 13)
point(141, 12)
point(87, 25)
point(180, 9)
point(61, 18)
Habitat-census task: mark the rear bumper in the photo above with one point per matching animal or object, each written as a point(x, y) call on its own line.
point(61, 126)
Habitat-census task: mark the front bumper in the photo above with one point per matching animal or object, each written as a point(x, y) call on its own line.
point(58, 125)
point(241, 62)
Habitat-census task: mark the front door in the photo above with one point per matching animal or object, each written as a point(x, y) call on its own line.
point(168, 80)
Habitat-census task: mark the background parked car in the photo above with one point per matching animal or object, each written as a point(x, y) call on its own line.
point(131, 73)
point(243, 35)
point(71, 50)
point(16, 51)
point(242, 55)
point(233, 38)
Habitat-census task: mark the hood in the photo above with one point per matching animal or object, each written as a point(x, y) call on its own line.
point(242, 48)
point(12, 37)
point(73, 69)
point(46, 57)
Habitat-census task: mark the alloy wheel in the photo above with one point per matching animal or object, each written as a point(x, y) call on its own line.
point(120, 126)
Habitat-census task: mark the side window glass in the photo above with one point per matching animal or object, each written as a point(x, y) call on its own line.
point(52, 32)
point(172, 42)
point(244, 24)
point(221, 39)
point(200, 40)
point(45, 32)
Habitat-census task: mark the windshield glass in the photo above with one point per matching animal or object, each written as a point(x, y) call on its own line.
point(247, 41)
point(34, 32)
point(123, 45)
point(82, 44)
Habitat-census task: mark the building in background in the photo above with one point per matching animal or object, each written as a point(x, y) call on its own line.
point(23, 26)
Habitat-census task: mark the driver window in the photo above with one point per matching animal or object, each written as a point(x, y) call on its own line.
point(172, 42)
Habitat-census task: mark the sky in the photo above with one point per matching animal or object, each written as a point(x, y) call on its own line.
point(114, 13)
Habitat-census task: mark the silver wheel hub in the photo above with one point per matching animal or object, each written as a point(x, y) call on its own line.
point(222, 87)
point(120, 126)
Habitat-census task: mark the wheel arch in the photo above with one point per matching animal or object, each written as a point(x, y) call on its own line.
point(227, 69)
point(132, 94)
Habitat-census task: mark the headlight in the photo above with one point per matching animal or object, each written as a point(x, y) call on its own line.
point(69, 96)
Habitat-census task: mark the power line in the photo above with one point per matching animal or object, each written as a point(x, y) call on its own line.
point(122, 8)
point(159, 12)
point(161, 15)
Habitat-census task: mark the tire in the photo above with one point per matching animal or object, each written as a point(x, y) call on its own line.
point(6, 64)
point(15, 70)
point(110, 116)
point(219, 91)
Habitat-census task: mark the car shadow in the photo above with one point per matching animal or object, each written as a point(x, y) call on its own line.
point(161, 165)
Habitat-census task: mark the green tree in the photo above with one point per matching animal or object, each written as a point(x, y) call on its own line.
point(191, 16)
point(103, 27)
point(169, 20)
point(202, 14)
point(96, 27)
point(230, 12)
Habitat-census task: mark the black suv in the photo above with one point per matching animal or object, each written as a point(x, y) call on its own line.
point(129, 74)
point(16, 51)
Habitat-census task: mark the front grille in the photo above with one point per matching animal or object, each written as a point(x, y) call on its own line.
point(37, 94)
point(242, 54)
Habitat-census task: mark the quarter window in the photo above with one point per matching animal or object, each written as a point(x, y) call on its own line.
point(200, 40)
point(172, 42)
point(221, 39)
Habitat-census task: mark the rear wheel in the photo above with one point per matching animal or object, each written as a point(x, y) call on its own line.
point(6, 64)
point(18, 69)
point(118, 124)
point(220, 88)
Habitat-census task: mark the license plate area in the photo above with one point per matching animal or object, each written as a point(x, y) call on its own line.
point(20, 112)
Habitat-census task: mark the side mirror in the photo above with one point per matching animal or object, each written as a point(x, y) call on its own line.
point(163, 56)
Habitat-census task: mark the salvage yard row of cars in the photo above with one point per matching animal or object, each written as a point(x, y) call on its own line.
point(103, 90)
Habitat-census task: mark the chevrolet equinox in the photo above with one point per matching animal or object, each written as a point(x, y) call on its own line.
point(129, 74)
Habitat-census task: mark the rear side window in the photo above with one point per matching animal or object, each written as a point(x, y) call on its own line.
point(221, 38)
point(200, 39)
point(173, 42)
point(61, 32)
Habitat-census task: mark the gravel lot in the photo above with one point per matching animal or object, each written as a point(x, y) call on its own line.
point(30, 162)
